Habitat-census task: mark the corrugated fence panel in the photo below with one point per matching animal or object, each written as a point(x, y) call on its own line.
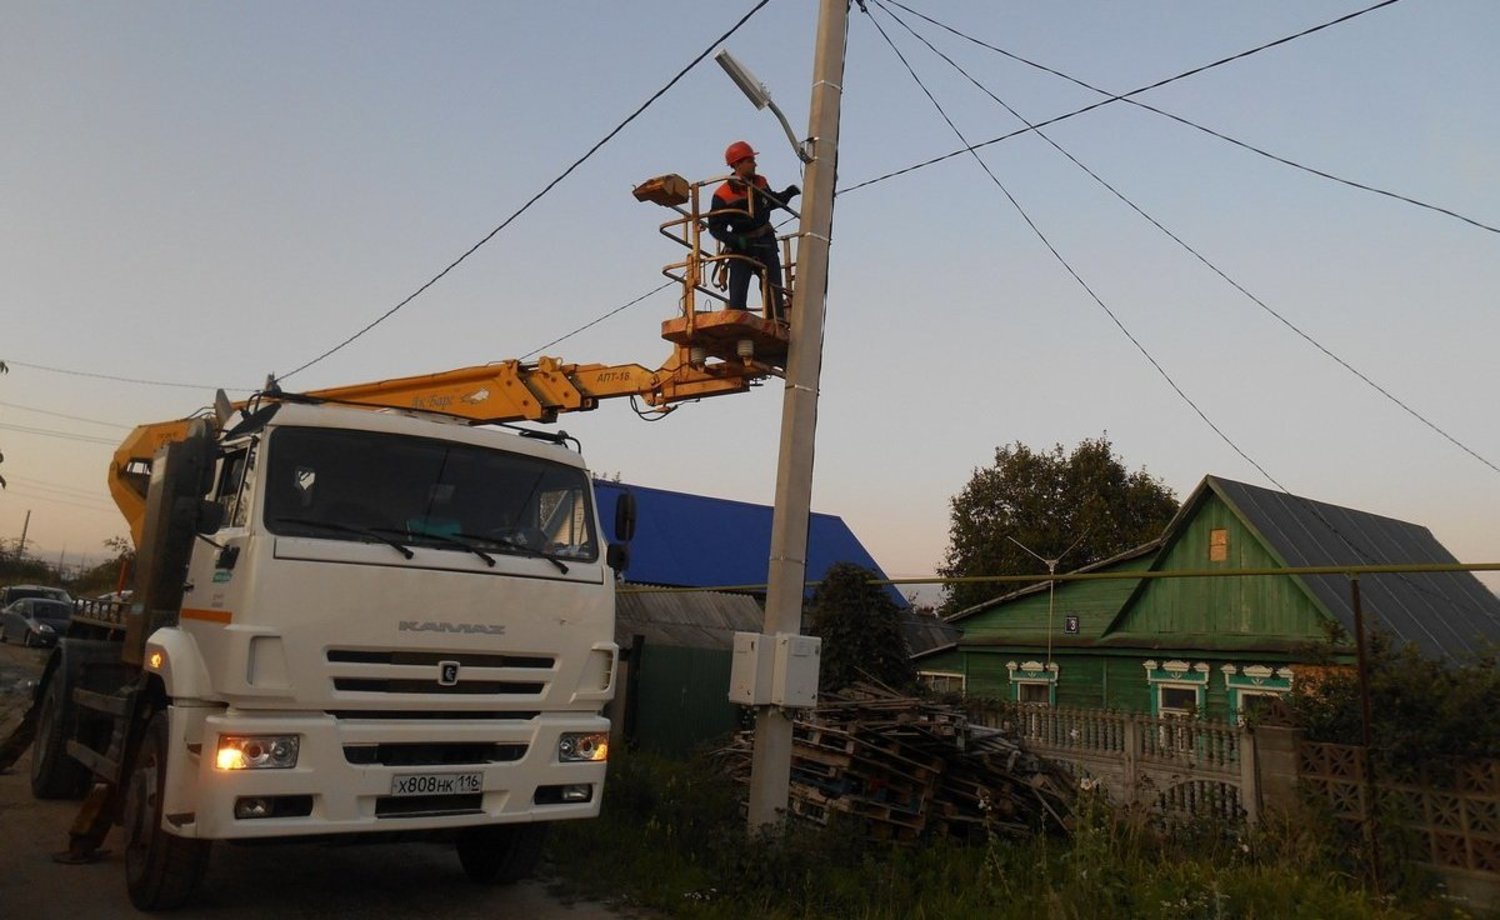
point(683, 699)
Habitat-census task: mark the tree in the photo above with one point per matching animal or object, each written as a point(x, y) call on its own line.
point(1049, 501)
point(1425, 714)
point(861, 631)
point(106, 575)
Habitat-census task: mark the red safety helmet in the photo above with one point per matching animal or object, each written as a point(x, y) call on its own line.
point(737, 151)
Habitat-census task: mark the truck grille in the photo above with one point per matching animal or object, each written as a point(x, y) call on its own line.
point(465, 659)
point(432, 754)
point(395, 685)
point(417, 672)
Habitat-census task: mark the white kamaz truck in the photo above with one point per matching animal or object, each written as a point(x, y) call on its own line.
point(366, 610)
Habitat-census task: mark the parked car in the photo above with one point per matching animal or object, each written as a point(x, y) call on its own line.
point(12, 593)
point(35, 621)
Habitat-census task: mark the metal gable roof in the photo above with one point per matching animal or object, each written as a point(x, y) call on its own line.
point(1443, 613)
point(696, 541)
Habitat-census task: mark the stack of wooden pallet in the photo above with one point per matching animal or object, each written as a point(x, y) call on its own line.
point(906, 765)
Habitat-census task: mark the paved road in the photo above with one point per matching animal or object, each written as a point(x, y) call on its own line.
point(393, 880)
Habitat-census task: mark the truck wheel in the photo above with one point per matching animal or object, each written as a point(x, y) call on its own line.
point(162, 870)
point(54, 774)
point(501, 854)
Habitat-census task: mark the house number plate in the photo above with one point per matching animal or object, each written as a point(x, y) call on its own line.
point(436, 783)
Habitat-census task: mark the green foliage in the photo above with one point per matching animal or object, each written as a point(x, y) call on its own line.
point(105, 576)
point(19, 567)
point(861, 631)
point(672, 838)
point(1048, 500)
point(1424, 713)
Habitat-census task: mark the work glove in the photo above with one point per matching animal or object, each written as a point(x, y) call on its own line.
point(791, 192)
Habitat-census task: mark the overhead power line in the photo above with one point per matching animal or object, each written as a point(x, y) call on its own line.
point(597, 320)
point(65, 435)
point(70, 491)
point(972, 151)
point(71, 418)
point(1182, 243)
point(538, 196)
point(1206, 130)
point(1312, 507)
point(1117, 98)
point(29, 497)
point(119, 379)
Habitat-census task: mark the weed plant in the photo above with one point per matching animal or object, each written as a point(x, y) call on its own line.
point(672, 838)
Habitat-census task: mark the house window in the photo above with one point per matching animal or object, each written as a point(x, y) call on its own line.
point(1033, 691)
point(1176, 701)
point(942, 681)
point(1218, 545)
point(1178, 688)
point(1033, 682)
point(1252, 702)
point(1253, 686)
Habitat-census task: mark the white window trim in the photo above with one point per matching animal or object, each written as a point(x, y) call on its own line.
point(928, 678)
point(1033, 672)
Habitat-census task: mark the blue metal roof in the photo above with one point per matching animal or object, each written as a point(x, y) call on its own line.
point(684, 540)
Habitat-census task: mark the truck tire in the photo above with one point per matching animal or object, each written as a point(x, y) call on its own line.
point(501, 854)
point(162, 870)
point(54, 774)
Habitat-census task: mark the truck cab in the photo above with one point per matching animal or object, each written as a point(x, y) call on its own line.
point(387, 623)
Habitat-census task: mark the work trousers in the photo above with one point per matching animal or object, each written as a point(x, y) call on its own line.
point(767, 256)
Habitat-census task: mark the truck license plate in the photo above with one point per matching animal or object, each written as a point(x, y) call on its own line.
point(436, 783)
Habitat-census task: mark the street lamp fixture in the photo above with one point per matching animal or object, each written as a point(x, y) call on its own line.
point(760, 97)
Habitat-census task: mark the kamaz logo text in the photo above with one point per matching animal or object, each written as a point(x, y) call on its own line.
point(478, 629)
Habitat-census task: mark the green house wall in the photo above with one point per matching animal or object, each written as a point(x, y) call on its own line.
point(1124, 623)
point(1224, 613)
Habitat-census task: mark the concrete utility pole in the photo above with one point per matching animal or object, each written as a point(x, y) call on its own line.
point(771, 764)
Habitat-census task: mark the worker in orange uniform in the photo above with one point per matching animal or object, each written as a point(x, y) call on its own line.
point(741, 220)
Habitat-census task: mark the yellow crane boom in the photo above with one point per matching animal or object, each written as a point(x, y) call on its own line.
point(715, 353)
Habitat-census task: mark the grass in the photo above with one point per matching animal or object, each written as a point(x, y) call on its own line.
point(672, 838)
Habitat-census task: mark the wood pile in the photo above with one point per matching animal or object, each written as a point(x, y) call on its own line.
point(907, 766)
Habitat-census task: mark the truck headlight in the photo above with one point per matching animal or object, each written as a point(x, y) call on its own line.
point(257, 752)
point(574, 747)
point(44, 629)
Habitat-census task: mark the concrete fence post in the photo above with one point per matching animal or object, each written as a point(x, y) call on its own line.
point(1249, 776)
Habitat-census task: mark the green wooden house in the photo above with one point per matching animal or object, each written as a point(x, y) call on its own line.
point(1207, 645)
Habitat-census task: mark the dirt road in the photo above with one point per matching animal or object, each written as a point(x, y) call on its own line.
point(387, 881)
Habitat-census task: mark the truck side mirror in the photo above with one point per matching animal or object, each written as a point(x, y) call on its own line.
point(625, 517)
point(617, 556)
point(210, 517)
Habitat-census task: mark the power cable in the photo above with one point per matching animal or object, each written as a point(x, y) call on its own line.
point(596, 321)
point(971, 149)
point(70, 491)
point(1180, 242)
point(101, 509)
point(1206, 130)
point(1311, 506)
point(117, 379)
point(1112, 99)
point(538, 196)
point(65, 435)
point(71, 418)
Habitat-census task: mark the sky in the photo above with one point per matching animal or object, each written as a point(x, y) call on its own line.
point(202, 194)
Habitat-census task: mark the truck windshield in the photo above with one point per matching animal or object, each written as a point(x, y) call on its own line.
point(340, 484)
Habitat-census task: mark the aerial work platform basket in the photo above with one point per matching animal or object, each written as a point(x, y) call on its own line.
point(754, 337)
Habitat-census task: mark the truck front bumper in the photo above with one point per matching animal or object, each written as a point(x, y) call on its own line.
point(455, 773)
